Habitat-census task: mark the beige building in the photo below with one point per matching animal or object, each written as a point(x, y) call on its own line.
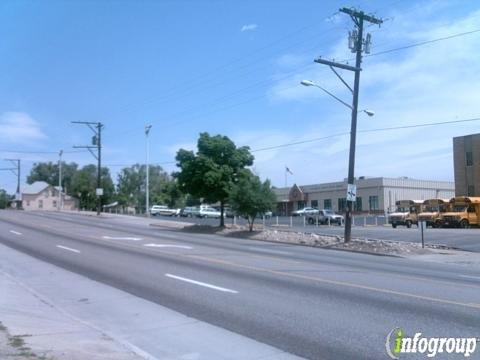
point(42, 196)
point(466, 163)
point(374, 195)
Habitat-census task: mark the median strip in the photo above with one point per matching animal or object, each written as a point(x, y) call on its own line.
point(68, 249)
point(210, 286)
point(15, 232)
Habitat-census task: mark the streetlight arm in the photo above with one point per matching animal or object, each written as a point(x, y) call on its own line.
point(335, 97)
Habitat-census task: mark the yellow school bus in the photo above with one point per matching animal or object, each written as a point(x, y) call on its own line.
point(433, 210)
point(406, 213)
point(464, 212)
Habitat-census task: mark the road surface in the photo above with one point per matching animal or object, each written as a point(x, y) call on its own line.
point(314, 303)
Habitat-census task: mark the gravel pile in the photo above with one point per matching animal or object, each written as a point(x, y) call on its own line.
point(382, 247)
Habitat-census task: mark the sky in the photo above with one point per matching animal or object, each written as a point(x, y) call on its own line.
point(234, 68)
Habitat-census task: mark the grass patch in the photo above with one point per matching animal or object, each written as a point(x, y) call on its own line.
point(16, 341)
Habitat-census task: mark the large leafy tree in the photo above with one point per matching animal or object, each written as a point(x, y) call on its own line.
point(84, 184)
point(249, 197)
point(49, 172)
point(211, 172)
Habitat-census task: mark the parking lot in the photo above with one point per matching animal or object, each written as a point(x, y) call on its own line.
point(368, 227)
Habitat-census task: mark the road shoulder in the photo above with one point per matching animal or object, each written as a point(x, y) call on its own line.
point(62, 315)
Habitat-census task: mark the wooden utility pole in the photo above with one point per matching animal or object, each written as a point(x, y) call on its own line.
point(357, 44)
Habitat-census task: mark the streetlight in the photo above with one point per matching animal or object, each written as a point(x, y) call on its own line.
point(311, 83)
point(147, 169)
point(351, 188)
point(59, 205)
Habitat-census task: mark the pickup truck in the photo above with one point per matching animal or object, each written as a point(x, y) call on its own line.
point(325, 217)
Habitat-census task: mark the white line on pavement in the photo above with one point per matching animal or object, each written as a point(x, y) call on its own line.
point(68, 249)
point(201, 283)
point(470, 277)
point(121, 238)
point(15, 232)
point(168, 246)
point(270, 251)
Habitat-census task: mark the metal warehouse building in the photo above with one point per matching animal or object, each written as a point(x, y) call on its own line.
point(374, 195)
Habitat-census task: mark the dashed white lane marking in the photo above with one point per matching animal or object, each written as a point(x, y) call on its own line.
point(270, 251)
point(210, 286)
point(68, 249)
point(470, 277)
point(15, 232)
point(121, 238)
point(168, 246)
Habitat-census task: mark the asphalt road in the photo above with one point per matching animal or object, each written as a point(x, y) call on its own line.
point(464, 239)
point(315, 303)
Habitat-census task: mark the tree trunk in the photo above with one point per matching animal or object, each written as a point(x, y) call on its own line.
point(251, 220)
point(222, 220)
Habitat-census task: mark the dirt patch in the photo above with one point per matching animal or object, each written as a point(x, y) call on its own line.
point(380, 247)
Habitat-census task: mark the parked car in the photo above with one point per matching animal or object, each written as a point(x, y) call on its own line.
point(325, 216)
point(189, 211)
point(209, 212)
point(267, 214)
point(227, 212)
point(305, 211)
point(163, 210)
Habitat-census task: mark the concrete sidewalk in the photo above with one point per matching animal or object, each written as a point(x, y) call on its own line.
point(61, 315)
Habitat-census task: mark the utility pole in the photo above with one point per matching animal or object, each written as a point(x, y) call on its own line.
point(16, 171)
point(357, 44)
point(59, 204)
point(147, 170)
point(96, 127)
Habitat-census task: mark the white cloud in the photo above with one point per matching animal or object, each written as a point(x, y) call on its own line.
point(19, 128)
point(248, 27)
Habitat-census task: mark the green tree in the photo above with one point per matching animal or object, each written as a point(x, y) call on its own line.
point(131, 187)
point(84, 184)
point(48, 172)
point(249, 197)
point(4, 199)
point(210, 173)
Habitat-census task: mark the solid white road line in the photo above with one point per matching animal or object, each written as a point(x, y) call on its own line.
point(15, 232)
point(201, 284)
point(121, 238)
point(168, 246)
point(68, 249)
point(270, 251)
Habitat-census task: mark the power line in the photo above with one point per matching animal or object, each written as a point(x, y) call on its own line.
point(41, 152)
point(294, 72)
point(365, 131)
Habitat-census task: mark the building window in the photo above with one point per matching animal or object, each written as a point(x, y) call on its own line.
point(358, 204)
point(40, 204)
point(327, 204)
point(469, 158)
point(373, 203)
point(300, 204)
point(54, 203)
point(28, 202)
point(314, 204)
point(342, 204)
point(471, 190)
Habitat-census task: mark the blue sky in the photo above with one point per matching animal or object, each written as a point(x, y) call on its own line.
point(233, 68)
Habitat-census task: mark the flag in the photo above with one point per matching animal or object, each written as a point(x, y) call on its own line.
point(288, 170)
